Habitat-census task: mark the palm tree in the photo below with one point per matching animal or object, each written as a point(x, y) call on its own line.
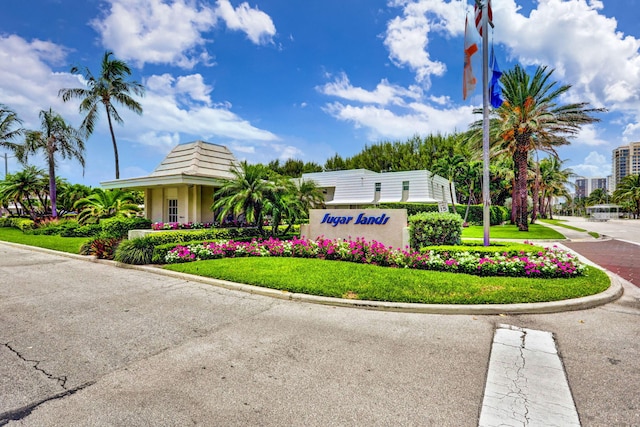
point(244, 193)
point(531, 119)
point(108, 88)
point(599, 196)
point(449, 167)
point(105, 204)
point(628, 190)
point(9, 126)
point(69, 194)
point(55, 138)
point(23, 188)
point(470, 175)
point(554, 182)
point(309, 194)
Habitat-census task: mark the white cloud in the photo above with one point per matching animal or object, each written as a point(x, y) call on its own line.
point(418, 119)
point(28, 83)
point(583, 45)
point(255, 23)
point(407, 36)
point(593, 165)
point(588, 135)
point(384, 93)
point(156, 31)
point(170, 106)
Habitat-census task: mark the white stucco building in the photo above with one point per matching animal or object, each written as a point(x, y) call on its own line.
point(358, 187)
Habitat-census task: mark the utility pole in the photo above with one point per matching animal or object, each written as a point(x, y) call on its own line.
point(486, 196)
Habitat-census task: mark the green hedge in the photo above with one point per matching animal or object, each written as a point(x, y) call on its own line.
point(120, 226)
point(433, 228)
point(497, 214)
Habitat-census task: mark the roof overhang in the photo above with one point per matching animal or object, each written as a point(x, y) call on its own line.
point(161, 181)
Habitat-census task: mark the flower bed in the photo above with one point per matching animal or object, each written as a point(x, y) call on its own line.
point(180, 225)
point(550, 263)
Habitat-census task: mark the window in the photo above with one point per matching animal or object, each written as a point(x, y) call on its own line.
point(173, 210)
point(405, 185)
point(378, 187)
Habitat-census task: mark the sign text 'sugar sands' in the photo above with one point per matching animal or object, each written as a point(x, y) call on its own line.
point(360, 219)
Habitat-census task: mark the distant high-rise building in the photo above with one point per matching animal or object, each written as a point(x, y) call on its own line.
point(585, 186)
point(626, 161)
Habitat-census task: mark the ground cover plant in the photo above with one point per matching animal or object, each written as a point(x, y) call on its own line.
point(375, 283)
point(508, 231)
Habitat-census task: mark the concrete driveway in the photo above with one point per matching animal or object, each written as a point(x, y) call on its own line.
point(90, 344)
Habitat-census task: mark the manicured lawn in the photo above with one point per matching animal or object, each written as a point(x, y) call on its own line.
point(561, 223)
point(369, 282)
point(508, 231)
point(62, 244)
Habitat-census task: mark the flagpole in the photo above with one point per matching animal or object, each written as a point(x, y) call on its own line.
point(486, 197)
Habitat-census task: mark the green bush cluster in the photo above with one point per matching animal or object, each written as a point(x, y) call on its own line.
point(497, 214)
point(433, 228)
point(120, 226)
point(24, 224)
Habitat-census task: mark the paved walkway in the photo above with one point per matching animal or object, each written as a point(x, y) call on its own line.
point(617, 250)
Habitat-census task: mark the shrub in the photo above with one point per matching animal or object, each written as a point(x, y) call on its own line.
point(135, 251)
point(88, 230)
point(23, 224)
point(101, 247)
point(431, 228)
point(119, 226)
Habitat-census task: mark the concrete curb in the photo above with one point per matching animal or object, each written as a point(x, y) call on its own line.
point(614, 292)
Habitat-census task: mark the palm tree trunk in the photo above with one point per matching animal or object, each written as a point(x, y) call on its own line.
point(453, 200)
point(52, 185)
point(113, 140)
point(520, 158)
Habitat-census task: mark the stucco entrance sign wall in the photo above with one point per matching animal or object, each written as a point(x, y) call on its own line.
point(387, 226)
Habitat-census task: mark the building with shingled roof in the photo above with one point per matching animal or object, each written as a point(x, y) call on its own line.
point(181, 188)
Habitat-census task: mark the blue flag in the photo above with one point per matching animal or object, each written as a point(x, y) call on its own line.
point(495, 89)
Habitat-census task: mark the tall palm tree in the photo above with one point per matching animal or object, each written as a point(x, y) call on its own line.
point(244, 193)
point(56, 137)
point(531, 118)
point(628, 190)
point(105, 204)
point(106, 89)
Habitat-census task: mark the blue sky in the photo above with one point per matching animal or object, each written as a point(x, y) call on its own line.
point(278, 79)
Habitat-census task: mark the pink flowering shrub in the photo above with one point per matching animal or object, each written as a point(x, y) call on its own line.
point(550, 263)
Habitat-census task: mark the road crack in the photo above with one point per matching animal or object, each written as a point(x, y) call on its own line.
point(61, 380)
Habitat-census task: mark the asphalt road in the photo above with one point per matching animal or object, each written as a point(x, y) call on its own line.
point(89, 344)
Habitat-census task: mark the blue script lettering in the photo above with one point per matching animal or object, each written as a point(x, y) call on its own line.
point(364, 220)
point(335, 220)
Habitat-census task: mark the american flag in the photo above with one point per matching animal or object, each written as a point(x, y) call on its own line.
point(478, 13)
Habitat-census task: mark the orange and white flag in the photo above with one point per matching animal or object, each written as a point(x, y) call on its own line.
point(470, 48)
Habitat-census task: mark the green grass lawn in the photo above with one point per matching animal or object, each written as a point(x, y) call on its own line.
point(62, 244)
point(508, 231)
point(368, 282)
point(561, 223)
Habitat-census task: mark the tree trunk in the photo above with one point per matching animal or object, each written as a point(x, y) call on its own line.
point(52, 185)
point(520, 158)
point(113, 140)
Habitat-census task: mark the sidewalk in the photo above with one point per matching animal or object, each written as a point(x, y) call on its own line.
point(616, 255)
